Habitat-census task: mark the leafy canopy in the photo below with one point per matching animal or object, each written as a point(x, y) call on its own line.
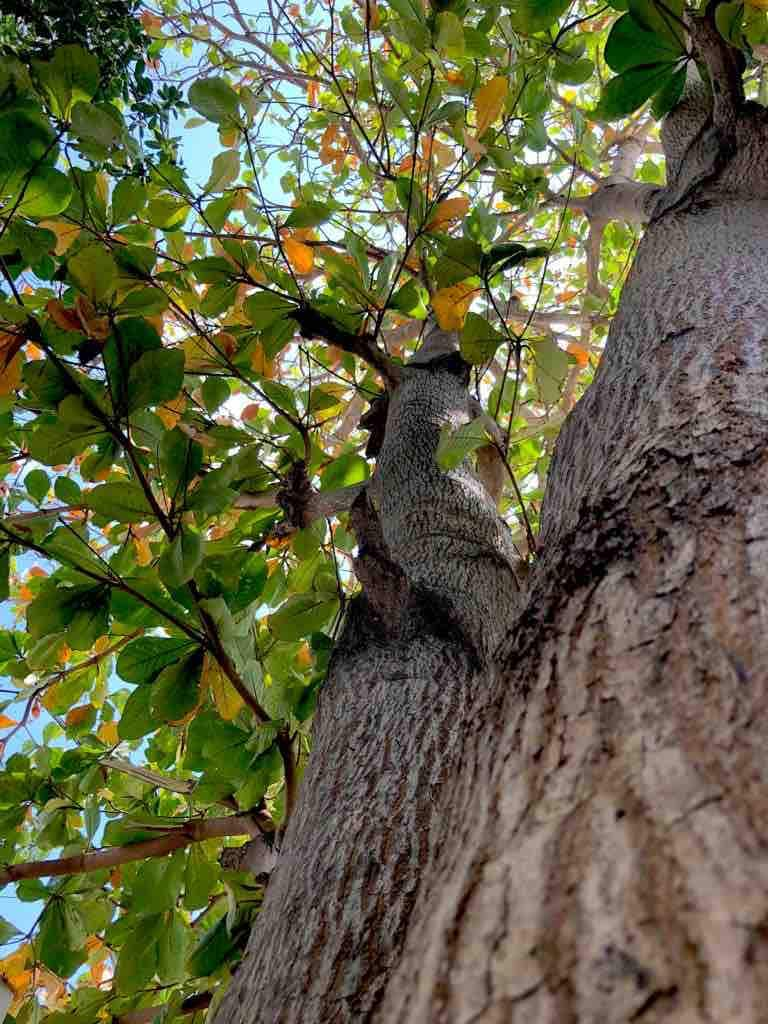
point(184, 358)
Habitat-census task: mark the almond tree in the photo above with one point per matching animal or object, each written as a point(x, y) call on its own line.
point(486, 708)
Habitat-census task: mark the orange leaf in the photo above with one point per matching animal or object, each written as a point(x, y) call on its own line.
point(580, 354)
point(260, 363)
point(304, 656)
point(10, 362)
point(250, 412)
point(64, 654)
point(299, 255)
point(566, 296)
point(451, 305)
point(313, 89)
point(107, 733)
point(77, 715)
point(66, 319)
point(6, 722)
point(489, 102)
point(448, 210)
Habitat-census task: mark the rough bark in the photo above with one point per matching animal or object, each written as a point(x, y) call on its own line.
point(409, 678)
point(553, 808)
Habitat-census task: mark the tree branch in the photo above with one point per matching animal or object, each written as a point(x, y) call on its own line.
point(195, 831)
point(314, 324)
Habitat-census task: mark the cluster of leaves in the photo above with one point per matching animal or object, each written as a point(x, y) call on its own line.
point(181, 363)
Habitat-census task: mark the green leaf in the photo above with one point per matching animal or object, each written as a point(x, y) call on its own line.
point(122, 502)
point(551, 369)
point(626, 92)
point(180, 460)
point(61, 939)
point(137, 962)
point(142, 659)
point(216, 100)
point(37, 483)
point(7, 931)
point(176, 691)
point(215, 392)
point(343, 471)
point(172, 949)
point(662, 19)
point(137, 719)
point(129, 198)
point(200, 878)
point(47, 193)
point(479, 340)
point(455, 445)
point(536, 15)
point(216, 947)
point(264, 308)
point(729, 18)
point(224, 170)
point(100, 124)
point(302, 615)
point(630, 45)
point(308, 215)
point(157, 883)
point(449, 34)
point(143, 302)
point(669, 95)
point(155, 377)
point(180, 560)
point(71, 75)
point(94, 271)
point(574, 72)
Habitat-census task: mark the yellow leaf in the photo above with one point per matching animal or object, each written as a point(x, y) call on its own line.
point(6, 722)
point(448, 210)
point(170, 412)
point(107, 733)
point(451, 305)
point(101, 644)
point(77, 715)
point(299, 255)
point(143, 551)
point(65, 233)
point(489, 102)
point(226, 698)
point(260, 363)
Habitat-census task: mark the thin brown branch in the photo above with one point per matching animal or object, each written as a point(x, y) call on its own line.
point(195, 831)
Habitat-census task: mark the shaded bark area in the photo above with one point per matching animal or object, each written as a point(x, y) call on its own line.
point(614, 866)
point(408, 682)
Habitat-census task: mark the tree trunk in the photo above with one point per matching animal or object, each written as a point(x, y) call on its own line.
point(550, 805)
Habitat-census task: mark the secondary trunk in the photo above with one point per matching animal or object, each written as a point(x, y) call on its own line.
point(551, 806)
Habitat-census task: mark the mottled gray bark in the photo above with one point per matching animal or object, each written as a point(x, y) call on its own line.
point(549, 805)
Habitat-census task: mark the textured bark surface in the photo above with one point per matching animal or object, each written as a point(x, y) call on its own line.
point(552, 807)
point(614, 864)
point(409, 679)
